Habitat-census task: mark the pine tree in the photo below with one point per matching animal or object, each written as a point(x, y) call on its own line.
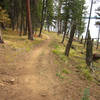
point(76, 11)
point(30, 34)
point(49, 13)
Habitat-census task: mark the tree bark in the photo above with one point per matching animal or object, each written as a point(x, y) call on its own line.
point(81, 40)
point(42, 19)
point(30, 34)
point(64, 32)
point(48, 28)
point(59, 17)
point(98, 38)
point(1, 39)
point(21, 25)
point(88, 23)
point(89, 51)
point(22, 18)
point(58, 27)
point(25, 26)
point(12, 13)
point(78, 37)
point(68, 46)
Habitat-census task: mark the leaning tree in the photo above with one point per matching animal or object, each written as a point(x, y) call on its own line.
point(76, 11)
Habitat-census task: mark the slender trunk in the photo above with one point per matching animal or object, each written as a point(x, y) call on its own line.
point(59, 17)
point(45, 28)
point(30, 34)
point(78, 37)
point(68, 32)
point(97, 44)
point(26, 26)
point(88, 23)
point(17, 15)
point(68, 46)
point(22, 18)
point(58, 27)
point(17, 22)
point(81, 40)
point(93, 42)
point(48, 28)
point(98, 38)
point(42, 19)
point(21, 24)
point(12, 14)
point(64, 32)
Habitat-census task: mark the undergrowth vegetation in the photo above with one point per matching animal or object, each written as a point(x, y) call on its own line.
point(17, 42)
point(86, 94)
point(76, 58)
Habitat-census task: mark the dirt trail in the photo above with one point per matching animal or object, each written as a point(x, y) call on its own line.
point(32, 76)
point(36, 77)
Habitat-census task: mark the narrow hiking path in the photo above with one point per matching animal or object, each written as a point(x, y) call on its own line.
point(35, 77)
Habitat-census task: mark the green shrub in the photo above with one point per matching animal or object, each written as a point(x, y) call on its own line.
point(66, 71)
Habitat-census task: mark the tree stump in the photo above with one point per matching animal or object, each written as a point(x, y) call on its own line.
point(89, 52)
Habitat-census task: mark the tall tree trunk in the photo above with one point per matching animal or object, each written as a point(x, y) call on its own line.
point(64, 32)
point(48, 28)
point(58, 24)
point(25, 26)
point(98, 38)
point(81, 40)
point(68, 46)
point(78, 37)
point(12, 14)
point(42, 19)
point(97, 44)
point(22, 18)
point(30, 34)
point(59, 16)
point(21, 25)
point(88, 23)
point(17, 23)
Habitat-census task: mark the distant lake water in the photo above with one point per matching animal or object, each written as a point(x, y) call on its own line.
point(93, 28)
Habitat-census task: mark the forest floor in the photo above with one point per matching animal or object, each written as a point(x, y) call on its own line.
point(36, 73)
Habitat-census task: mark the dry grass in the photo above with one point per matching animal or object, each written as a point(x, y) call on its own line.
point(15, 41)
point(76, 57)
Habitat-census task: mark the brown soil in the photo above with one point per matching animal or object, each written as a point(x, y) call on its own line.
point(32, 76)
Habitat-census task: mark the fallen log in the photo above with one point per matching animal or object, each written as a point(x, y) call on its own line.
point(96, 57)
